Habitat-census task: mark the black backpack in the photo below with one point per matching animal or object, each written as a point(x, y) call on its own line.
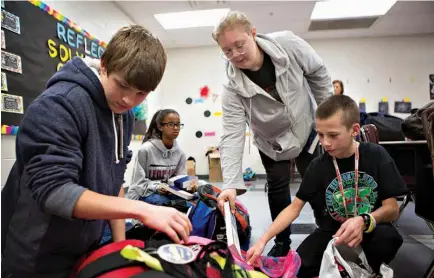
point(412, 126)
point(388, 126)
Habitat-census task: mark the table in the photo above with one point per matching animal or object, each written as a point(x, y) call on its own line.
point(419, 178)
point(416, 142)
point(413, 161)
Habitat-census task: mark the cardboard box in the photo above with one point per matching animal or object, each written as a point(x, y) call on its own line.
point(191, 168)
point(215, 174)
point(215, 169)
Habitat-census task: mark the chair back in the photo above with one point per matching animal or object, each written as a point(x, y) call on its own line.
point(428, 131)
point(369, 133)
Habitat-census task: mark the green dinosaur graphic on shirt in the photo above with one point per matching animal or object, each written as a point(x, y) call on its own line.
point(366, 198)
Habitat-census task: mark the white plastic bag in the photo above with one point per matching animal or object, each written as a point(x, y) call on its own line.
point(333, 254)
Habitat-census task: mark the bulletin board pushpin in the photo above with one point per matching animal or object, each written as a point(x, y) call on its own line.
point(363, 100)
point(384, 99)
point(406, 99)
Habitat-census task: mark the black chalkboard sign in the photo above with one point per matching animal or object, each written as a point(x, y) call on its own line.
point(10, 22)
point(402, 107)
point(44, 40)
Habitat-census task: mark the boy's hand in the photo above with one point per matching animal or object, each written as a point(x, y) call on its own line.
point(167, 220)
point(255, 251)
point(351, 232)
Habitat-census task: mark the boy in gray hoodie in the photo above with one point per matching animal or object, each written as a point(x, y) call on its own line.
point(275, 83)
point(158, 159)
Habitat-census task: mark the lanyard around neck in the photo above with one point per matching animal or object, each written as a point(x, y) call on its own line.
point(356, 181)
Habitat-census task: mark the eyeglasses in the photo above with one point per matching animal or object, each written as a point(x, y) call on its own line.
point(173, 125)
point(240, 48)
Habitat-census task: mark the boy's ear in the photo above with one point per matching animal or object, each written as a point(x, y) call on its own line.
point(102, 68)
point(355, 130)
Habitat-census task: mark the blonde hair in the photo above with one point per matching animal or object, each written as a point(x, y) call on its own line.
point(137, 55)
point(231, 20)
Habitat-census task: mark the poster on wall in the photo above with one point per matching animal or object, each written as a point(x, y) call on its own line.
point(383, 107)
point(12, 104)
point(11, 62)
point(3, 40)
point(431, 86)
point(11, 22)
point(35, 52)
point(4, 82)
point(402, 107)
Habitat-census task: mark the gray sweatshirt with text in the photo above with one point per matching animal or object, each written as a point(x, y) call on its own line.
point(155, 163)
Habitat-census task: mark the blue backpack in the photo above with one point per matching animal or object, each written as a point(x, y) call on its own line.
point(208, 221)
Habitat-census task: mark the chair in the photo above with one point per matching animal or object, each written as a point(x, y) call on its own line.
point(428, 130)
point(369, 133)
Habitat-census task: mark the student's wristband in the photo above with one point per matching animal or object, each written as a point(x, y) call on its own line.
point(373, 224)
point(370, 222)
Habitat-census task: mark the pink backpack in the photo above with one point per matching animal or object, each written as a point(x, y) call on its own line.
point(285, 267)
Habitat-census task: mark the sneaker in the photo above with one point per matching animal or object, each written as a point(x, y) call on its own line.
point(280, 249)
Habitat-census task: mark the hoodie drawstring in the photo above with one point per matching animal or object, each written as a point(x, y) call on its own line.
point(121, 137)
point(116, 138)
point(119, 150)
point(250, 120)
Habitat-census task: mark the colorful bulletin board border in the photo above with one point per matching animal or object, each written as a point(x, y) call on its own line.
point(137, 137)
point(60, 17)
point(10, 129)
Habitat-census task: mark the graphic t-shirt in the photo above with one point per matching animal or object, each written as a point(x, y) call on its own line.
point(379, 179)
point(265, 77)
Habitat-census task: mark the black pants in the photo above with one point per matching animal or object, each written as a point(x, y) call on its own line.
point(380, 247)
point(278, 175)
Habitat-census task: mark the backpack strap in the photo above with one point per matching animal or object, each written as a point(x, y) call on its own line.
point(106, 264)
point(209, 195)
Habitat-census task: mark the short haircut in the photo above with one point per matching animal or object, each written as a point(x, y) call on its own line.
point(336, 103)
point(340, 83)
point(138, 56)
point(231, 20)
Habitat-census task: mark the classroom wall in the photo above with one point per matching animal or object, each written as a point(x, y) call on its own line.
point(406, 61)
point(396, 67)
point(92, 18)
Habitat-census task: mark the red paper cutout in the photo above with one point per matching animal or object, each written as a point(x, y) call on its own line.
point(204, 92)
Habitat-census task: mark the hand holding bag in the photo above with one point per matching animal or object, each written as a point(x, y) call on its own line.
point(348, 263)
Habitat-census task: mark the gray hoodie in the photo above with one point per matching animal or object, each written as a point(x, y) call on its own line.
point(154, 163)
point(279, 130)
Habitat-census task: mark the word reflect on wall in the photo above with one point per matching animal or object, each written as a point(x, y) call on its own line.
point(71, 40)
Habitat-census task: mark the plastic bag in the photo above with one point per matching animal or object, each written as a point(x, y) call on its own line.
point(352, 263)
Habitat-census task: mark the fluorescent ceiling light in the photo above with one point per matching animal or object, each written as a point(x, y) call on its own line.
point(338, 9)
point(190, 19)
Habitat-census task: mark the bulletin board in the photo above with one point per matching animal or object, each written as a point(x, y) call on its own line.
point(36, 42)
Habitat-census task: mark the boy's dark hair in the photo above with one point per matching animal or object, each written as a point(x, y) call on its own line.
point(340, 83)
point(137, 55)
point(153, 131)
point(335, 103)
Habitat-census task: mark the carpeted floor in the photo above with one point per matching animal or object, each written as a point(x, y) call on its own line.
point(414, 257)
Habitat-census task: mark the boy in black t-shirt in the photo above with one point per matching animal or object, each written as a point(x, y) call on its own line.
point(363, 220)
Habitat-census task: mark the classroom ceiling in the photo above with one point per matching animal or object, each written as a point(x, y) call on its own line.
point(404, 18)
